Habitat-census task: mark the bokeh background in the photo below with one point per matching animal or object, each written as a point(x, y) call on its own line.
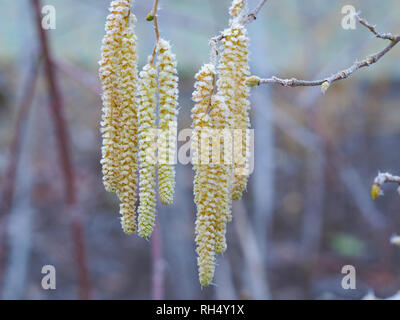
point(307, 211)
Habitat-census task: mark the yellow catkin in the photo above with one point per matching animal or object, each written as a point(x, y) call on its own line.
point(233, 71)
point(110, 124)
point(147, 148)
point(237, 10)
point(219, 118)
point(168, 102)
point(243, 107)
point(205, 187)
point(129, 130)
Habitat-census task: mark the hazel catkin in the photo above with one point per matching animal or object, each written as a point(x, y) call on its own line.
point(233, 71)
point(222, 149)
point(168, 102)
point(110, 124)
point(205, 187)
point(128, 163)
point(147, 148)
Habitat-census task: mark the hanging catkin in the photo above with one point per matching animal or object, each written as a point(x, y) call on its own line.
point(168, 101)
point(241, 115)
point(205, 186)
point(129, 128)
point(147, 148)
point(109, 77)
point(233, 69)
point(222, 150)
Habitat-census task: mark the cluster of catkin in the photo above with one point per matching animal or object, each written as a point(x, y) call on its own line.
point(132, 141)
point(224, 113)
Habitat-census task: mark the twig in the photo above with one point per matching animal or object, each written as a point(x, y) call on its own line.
point(152, 16)
point(214, 41)
point(326, 82)
point(156, 29)
point(153, 12)
point(386, 36)
point(65, 156)
point(253, 15)
point(382, 178)
point(386, 177)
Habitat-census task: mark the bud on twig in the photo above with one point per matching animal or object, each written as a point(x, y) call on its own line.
point(253, 81)
point(375, 191)
point(325, 86)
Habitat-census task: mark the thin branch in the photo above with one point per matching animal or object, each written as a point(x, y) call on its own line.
point(152, 16)
point(386, 177)
point(380, 179)
point(153, 12)
point(8, 187)
point(385, 36)
point(326, 82)
point(214, 41)
point(253, 15)
point(156, 29)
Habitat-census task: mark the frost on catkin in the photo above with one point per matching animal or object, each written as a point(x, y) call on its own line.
point(205, 187)
point(147, 148)
point(129, 129)
point(108, 72)
point(233, 70)
point(168, 101)
point(238, 10)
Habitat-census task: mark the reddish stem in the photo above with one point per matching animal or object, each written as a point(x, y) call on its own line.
point(64, 154)
point(8, 187)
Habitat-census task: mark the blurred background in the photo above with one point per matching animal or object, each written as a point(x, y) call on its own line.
point(307, 211)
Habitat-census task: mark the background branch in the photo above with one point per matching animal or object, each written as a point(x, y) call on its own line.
point(157, 288)
point(8, 187)
point(56, 106)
